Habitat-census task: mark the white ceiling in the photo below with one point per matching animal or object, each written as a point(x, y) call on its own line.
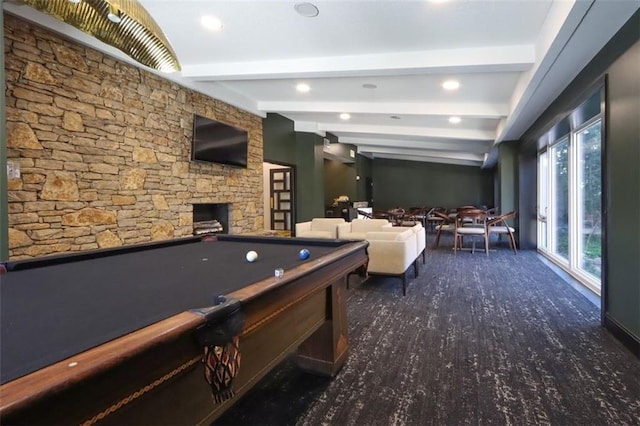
point(511, 57)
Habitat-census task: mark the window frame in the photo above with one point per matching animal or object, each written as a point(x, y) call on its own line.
point(568, 129)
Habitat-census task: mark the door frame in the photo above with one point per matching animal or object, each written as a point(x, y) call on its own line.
point(267, 194)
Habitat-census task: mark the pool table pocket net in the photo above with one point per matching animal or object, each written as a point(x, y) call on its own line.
point(221, 365)
point(221, 358)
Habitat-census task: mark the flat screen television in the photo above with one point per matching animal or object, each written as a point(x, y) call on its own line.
point(215, 142)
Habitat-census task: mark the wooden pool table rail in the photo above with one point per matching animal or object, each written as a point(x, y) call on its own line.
point(271, 302)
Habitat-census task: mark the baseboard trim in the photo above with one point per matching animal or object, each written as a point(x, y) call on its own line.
point(621, 333)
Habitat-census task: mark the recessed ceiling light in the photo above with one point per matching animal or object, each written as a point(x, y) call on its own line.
point(451, 85)
point(345, 116)
point(308, 10)
point(454, 120)
point(394, 117)
point(303, 87)
point(369, 86)
point(210, 22)
point(74, 1)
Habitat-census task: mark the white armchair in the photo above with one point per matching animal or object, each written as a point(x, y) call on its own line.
point(320, 227)
point(392, 253)
point(421, 238)
point(358, 228)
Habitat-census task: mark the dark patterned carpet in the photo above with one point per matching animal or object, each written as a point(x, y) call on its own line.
point(477, 340)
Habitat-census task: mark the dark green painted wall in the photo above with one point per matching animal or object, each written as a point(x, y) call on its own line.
point(342, 152)
point(279, 139)
point(619, 61)
point(508, 176)
point(347, 178)
point(303, 151)
point(309, 176)
point(339, 179)
point(365, 170)
point(623, 190)
point(527, 196)
point(413, 183)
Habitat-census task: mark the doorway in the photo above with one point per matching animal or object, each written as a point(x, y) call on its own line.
point(279, 197)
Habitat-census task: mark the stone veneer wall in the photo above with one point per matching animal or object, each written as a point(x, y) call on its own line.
point(104, 150)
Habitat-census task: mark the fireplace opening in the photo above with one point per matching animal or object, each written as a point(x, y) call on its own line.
point(210, 218)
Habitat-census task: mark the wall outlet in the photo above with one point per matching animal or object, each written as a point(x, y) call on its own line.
point(13, 170)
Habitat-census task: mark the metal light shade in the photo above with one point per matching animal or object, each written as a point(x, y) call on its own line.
point(123, 24)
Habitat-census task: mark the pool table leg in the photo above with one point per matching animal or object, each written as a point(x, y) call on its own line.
point(360, 272)
point(326, 350)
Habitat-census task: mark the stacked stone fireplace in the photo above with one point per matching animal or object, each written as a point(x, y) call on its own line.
point(210, 219)
point(106, 163)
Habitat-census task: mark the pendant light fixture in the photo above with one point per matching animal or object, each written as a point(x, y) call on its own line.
point(123, 24)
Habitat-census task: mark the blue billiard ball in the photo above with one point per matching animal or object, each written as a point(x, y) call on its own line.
point(304, 254)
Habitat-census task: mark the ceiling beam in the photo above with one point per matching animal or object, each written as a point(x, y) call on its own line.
point(308, 127)
point(429, 160)
point(475, 110)
point(376, 150)
point(431, 132)
point(480, 59)
point(477, 147)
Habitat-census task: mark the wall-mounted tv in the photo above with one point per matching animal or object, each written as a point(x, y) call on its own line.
point(216, 142)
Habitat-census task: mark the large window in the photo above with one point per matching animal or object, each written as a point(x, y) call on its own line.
point(570, 194)
point(543, 200)
point(589, 202)
point(560, 199)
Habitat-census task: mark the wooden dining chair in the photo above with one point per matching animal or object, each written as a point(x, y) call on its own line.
point(463, 208)
point(447, 224)
point(470, 223)
point(431, 219)
point(414, 215)
point(396, 215)
point(499, 225)
point(380, 214)
point(365, 215)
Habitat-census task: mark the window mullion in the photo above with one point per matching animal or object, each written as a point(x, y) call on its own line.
point(574, 181)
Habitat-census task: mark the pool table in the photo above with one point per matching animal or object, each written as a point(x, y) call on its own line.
point(118, 336)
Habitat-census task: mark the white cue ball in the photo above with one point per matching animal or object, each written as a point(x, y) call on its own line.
point(251, 256)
